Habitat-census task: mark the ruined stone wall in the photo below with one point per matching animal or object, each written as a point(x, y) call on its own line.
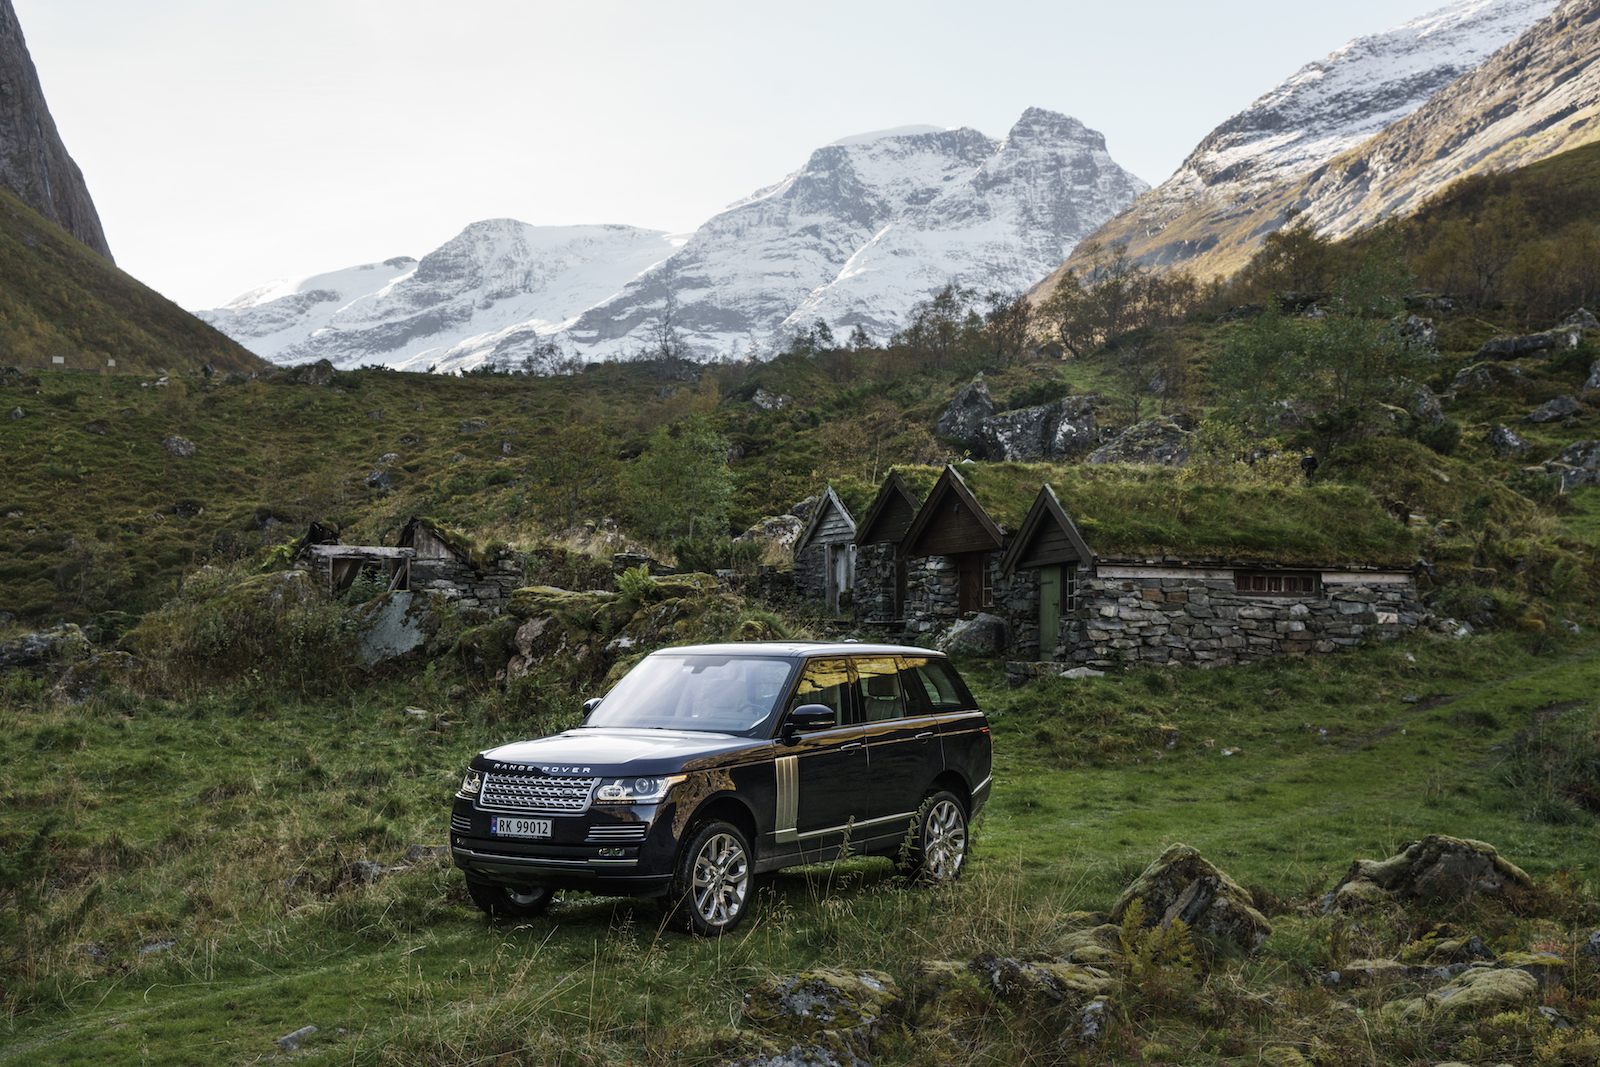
point(466, 586)
point(1200, 619)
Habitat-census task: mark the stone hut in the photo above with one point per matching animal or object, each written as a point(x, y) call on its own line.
point(952, 551)
point(1113, 596)
point(825, 553)
point(881, 582)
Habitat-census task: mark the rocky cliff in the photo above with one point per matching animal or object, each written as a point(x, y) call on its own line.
point(33, 162)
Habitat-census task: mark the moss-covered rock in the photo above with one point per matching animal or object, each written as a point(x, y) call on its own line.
point(840, 1010)
point(1476, 990)
point(1098, 946)
point(1054, 982)
point(1436, 869)
point(1182, 884)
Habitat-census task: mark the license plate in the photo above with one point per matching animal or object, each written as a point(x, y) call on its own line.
point(503, 826)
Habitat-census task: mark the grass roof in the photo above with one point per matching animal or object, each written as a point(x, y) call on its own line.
point(1151, 513)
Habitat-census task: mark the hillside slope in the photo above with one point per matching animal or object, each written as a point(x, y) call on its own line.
point(59, 300)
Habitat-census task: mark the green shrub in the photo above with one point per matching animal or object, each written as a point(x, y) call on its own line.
point(636, 584)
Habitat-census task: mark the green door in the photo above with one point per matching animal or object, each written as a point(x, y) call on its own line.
point(1049, 611)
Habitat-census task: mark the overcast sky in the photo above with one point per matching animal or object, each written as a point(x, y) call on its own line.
point(228, 144)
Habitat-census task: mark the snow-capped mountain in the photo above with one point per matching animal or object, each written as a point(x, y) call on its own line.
point(867, 227)
point(1206, 214)
point(495, 291)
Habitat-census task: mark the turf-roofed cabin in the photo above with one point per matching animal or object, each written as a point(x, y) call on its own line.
point(1102, 567)
point(882, 574)
point(825, 553)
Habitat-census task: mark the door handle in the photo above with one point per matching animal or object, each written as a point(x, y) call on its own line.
point(924, 735)
point(849, 745)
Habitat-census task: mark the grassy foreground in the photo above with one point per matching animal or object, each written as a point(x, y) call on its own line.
point(202, 896)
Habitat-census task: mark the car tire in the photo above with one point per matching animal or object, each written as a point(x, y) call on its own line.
point(938, 840)
point(509, 902)
point(711, 886)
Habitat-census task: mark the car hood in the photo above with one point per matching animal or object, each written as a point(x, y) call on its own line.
point(622, 752)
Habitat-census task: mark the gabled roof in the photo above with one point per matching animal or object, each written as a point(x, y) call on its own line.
point(904, 486)
point(1045, 516)
point(948, 499)
point(830, 502)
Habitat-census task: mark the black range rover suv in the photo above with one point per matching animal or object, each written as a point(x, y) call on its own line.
point(708, 764)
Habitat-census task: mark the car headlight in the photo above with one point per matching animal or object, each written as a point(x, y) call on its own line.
point(471, 783)
point(644, 790)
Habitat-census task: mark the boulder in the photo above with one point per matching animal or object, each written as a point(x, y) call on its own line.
point(1505, 442)
point(1050, 431)
point(1583, 319)
point(79, 681)
point(16, 413)
point(1476, 990)
point(1426, 407)
point(964, 416)
point(982, 634)
point(181, 447)
point(781, 530)
point(1418, 330)
point(318, 373)
point(62, 644)
point(1555, 410)
point(1182, 884)
point(1483, 376)
point(766, 401)
point(1578, 464)
point(1154, 440)
point(1437, 868)
point(1593, 382)
point(474, 425)
point(99, 427)
point(396, 624)
point(843, 1008)
point(1559, 339)
point(1047, 982)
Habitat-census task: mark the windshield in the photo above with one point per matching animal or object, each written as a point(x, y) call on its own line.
point(722, 694)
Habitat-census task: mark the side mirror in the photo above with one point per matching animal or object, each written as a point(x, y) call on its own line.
point(805, 718)
point(590, 704)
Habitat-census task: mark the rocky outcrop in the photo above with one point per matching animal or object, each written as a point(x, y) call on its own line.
point(964, 416)
point(46, 649)
point(34, 163)
point(1426, 407)
point(1436, 869)
point(1155, 440)
point(1562, 407)
point(823, 1016)
point(1557, 340)
point(1505, 441)
point(1051, 431)
point(1483, 376)
point(1593, 381)
point(1182, 884)
point(1477, 990)
point(1578, 464)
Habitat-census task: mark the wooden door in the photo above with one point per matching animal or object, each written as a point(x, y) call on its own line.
point(1050, 583)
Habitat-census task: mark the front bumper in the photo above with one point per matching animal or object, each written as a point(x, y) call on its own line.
point(622, 850)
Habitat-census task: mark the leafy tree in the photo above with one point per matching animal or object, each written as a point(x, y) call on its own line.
point(1113, 297)
point(682, 481)
point(1336, 369)
point(942, 327)
point(573, 474)
point(1007, 322)
point(1295, 259)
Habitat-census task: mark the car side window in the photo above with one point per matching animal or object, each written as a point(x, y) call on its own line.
point(825, 681)
point(879, 680)
point(937, 681)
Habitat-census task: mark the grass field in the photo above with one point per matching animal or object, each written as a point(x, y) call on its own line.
point(199, 901)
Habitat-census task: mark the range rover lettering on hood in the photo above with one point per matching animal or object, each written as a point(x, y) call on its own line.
point(545, 769)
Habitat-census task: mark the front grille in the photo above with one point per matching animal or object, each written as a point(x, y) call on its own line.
point(630, 832)
point(542, 793)
point(460, 823)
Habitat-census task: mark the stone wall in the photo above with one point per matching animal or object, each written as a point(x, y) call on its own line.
point(874, 592)
point(810, 572)
point(466, 586)
point(1020, 609)
point(1199, 619)
point(933, 592)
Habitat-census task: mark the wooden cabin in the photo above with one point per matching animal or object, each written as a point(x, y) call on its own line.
point(881, 573)
point(953, 550)
point(1049, 545)
point(825, 553)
